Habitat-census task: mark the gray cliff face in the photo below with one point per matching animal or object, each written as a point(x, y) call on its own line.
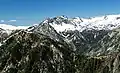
point(49, 31)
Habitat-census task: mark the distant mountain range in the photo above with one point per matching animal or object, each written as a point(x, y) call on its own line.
point(62, 45)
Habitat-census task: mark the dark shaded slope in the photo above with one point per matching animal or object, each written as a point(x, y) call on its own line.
point(35, 53)
point(108, 45)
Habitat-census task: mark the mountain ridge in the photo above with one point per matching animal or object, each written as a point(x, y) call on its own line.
point(56, 45)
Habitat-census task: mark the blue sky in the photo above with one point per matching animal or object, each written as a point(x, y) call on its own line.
point(27, 12)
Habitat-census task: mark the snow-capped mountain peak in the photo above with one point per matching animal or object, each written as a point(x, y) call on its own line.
point(63, 23)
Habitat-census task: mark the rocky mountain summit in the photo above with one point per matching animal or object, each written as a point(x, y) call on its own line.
point(63, 45)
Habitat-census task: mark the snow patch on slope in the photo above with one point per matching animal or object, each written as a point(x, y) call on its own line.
point(63, 27)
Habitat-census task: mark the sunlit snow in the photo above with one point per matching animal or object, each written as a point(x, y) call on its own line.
point(108, 22)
